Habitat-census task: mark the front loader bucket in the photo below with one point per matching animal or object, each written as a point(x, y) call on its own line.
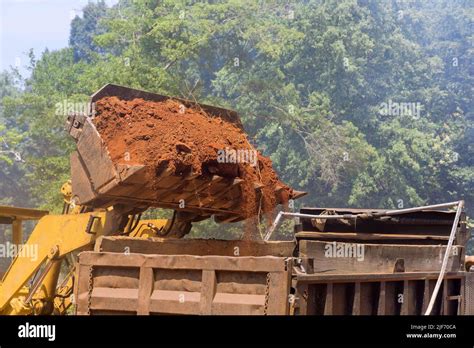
point(98, 181)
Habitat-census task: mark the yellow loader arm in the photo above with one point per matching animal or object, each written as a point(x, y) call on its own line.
point(54, 237)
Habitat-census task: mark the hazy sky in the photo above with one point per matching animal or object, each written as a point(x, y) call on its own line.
point(36, 24)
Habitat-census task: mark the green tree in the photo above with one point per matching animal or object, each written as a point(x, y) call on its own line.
point(309, 80)
point(83, 30)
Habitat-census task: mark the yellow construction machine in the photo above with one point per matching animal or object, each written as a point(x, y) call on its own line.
point(30, 285)
point(101, 199)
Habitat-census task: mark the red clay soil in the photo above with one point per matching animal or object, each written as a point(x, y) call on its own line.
point(187, 140)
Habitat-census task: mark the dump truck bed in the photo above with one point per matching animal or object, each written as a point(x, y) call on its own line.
point(149, 283)
point(331, 269)
point(268, 278)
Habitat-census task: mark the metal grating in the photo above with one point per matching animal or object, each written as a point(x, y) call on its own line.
point(469, 294)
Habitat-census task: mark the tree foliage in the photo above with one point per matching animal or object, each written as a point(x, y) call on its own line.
point(309, 80)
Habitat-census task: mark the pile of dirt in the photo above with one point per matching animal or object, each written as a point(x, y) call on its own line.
point(166, 134)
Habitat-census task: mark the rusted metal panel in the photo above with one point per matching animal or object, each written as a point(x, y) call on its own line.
point(21, 213)
point(380, 294)
point(409, 300)
point(377, 258)
point(145, 290)
point(95, 156)
point(421, 227)
point(80, 180)
point(250, 263)
point(393, 274)
point(277, 297)
point(182, 284)
point(163, 246)
point(83, 276)
point(366, 277)
point(468, 308)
